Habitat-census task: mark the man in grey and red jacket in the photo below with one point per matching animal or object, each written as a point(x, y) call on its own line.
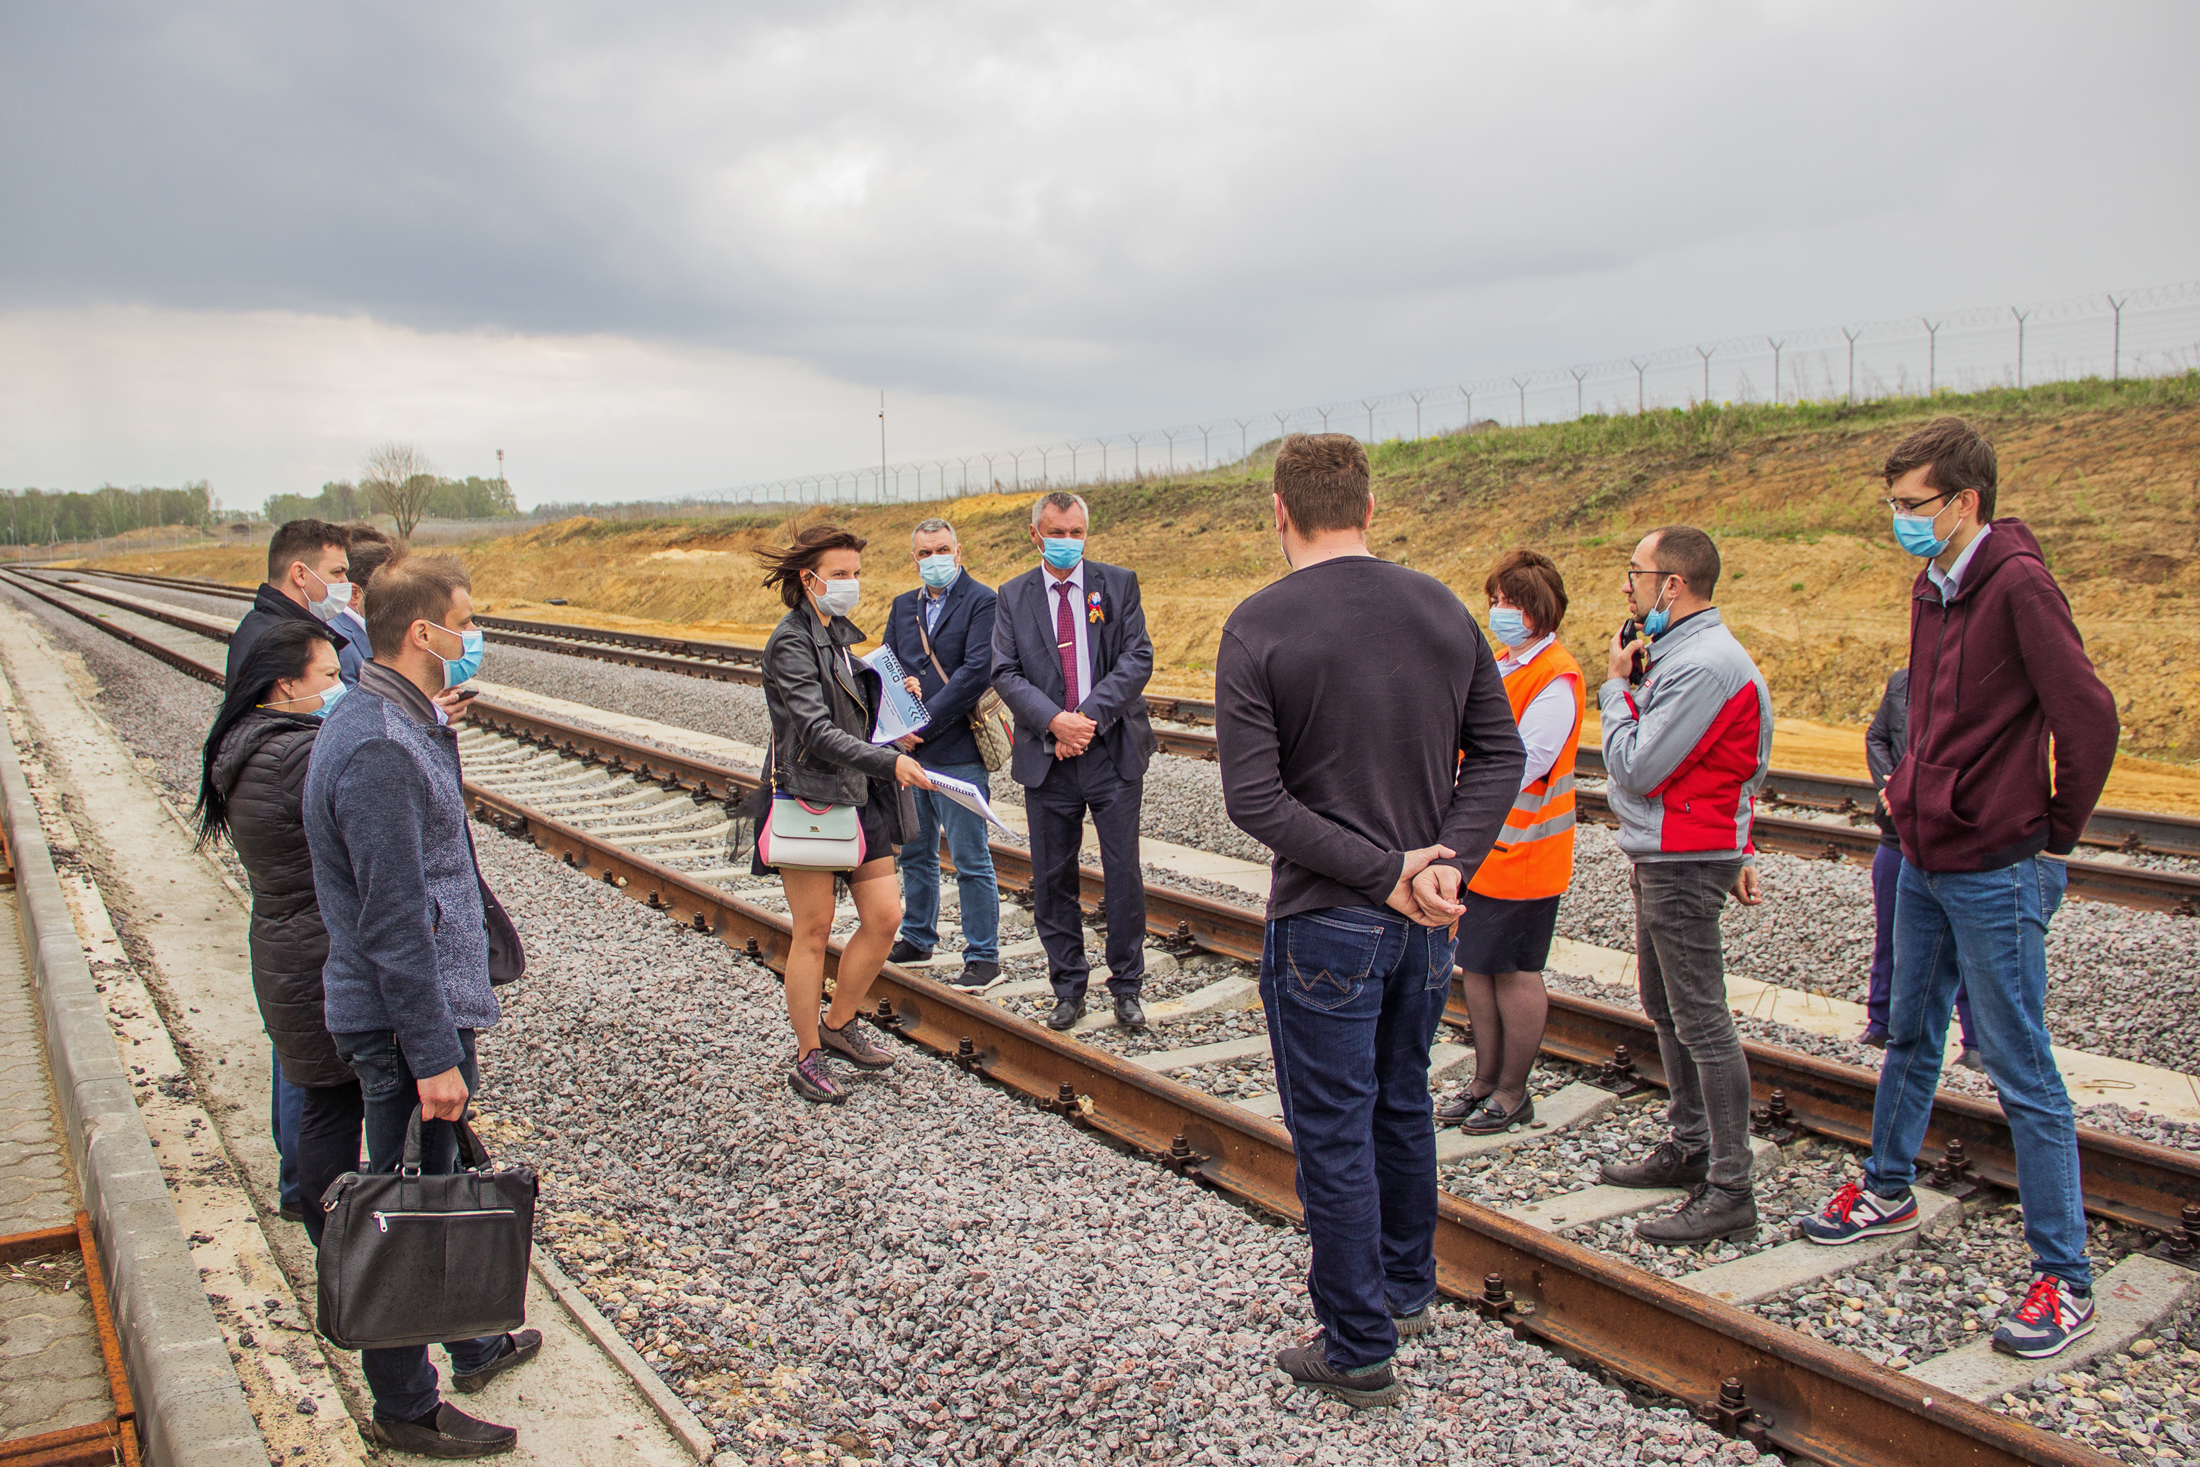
point(2001, 692)
point(1685, 753)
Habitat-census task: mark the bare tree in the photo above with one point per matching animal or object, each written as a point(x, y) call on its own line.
point(398, 479)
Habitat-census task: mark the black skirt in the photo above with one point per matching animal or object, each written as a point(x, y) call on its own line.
point(1500, 936)
point(880, 820)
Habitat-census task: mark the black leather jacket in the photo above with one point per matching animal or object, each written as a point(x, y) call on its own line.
point(820, 701)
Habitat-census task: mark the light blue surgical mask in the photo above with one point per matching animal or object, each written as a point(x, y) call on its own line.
point(1508, 625)
point(468, 661)
point(938, 571)
point(329, 697)
point(1656, 620)
point(1914, 533)
point(1063, 554)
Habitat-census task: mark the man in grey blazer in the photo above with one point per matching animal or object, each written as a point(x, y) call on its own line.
point(1070, 659)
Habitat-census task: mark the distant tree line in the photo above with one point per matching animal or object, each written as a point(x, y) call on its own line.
point(46, 517)
point(470, 498)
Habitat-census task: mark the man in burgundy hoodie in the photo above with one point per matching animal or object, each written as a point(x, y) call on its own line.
point(1997, 670)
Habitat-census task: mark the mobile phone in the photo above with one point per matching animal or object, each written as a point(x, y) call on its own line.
point(1629, 630)
point(467, 695)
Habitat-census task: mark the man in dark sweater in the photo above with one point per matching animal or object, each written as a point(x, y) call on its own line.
point(2000, 692)
point(307, 570)
point(1366, 740)
point(406, 984)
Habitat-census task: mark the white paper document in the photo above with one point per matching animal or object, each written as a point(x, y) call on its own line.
point(967, 795)
point(899, 711)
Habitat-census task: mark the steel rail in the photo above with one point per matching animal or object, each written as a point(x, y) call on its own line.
point(2128, 1181)
point(1773, 1386)
point(2130, 831)
point(2131, 1182)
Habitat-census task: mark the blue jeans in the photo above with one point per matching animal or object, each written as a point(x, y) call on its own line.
point(1886, 868)
point(404, 1382)
point(1352, 996)
point(1986, 930)
point(285, 1105)
point(920, 870)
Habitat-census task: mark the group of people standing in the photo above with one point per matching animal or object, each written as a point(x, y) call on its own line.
point(1412, 776)
point(332, 768)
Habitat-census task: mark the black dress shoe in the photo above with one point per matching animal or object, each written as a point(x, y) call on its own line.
point(445, 1432)
point(1067, 1011)
point(905, 952)
point(1129, 1014)
point(520, 1346)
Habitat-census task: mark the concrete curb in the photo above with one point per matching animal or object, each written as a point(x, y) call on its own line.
point(692, 1433)
point(190, 1405)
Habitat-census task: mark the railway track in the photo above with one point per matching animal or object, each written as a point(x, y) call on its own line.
point(653, 825)
point(2129, 832)
point(2130, 886)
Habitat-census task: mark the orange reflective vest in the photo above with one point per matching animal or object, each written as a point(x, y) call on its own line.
point(1534, 856)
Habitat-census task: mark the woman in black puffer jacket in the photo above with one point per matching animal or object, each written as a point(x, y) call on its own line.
point(253, 774)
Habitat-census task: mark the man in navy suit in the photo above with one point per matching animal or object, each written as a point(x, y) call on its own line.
point(942, 633)
point(1071, 658)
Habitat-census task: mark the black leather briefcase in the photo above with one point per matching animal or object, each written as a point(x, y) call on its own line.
point(408, 1259)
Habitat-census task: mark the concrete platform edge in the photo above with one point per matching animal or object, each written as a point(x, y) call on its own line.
point(677, 1417)
point(190, 1404)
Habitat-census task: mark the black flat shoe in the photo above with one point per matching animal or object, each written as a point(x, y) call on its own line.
point(907, 954)
point(1129, 1014)
point(520, 1346)
point(1066, 1012)
point(445, 1432)
point(1453, 1109)
point(1488, 1118)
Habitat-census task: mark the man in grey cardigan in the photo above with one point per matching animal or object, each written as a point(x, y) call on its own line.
point(407, 978)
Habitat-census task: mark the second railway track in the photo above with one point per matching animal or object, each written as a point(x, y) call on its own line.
point(1840, 832)
point(652, 824)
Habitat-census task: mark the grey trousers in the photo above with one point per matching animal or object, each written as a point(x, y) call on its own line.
point(1680, 965)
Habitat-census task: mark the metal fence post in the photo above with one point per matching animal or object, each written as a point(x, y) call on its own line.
point(1522, 384)
point(2116, 358)
point(1852, 335)
point(1776, 345)
point(1577, 376)
point(1638, 366)
point(1932, 355)
point(1706, 355)
point(2020, 315)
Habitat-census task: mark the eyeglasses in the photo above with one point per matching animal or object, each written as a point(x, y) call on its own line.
point(1632, 573)
point(1909, 509)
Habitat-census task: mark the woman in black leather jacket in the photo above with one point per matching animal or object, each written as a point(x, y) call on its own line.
point(252, 776)
point(823, 703)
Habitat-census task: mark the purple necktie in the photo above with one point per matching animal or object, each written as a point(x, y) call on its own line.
point(1065, 642)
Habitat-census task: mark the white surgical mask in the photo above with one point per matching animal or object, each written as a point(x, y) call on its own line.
point(839, 597)
point(335, 598)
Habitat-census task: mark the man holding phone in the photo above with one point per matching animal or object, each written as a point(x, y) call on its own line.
point(1685, 752)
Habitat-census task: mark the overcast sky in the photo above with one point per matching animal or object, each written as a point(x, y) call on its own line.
point(663, 249)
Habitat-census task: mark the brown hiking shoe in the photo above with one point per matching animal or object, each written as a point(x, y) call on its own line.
point(1308, 1364)
point(1666, 1166)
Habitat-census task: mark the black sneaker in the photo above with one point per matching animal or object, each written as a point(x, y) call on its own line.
point(520, 1346)
point(905, 953)
point(1666, 1166)
point(1308, 1364)
point(444, 1432)
point(1710, 1212)
point(977, 977)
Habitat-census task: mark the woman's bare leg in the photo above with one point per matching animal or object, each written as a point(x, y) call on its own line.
point(877, 896)
point(810, 905)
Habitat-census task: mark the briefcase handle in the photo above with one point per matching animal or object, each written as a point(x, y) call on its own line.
point(472, 1155)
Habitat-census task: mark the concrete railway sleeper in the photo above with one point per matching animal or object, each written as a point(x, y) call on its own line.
point(1752, 1377)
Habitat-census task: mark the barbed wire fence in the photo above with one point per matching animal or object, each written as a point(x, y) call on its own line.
point(2149, 331)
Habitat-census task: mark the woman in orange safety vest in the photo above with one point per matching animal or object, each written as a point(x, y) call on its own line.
point(1512, 902)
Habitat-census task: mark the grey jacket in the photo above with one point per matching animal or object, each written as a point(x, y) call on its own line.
point(393, 865)
point(1686, 753)
point(820, 706)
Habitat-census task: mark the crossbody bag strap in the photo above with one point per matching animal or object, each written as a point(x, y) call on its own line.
point(927, 641)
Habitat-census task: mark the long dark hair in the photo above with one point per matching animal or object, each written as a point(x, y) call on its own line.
point(784, 568)
point(285, 650)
